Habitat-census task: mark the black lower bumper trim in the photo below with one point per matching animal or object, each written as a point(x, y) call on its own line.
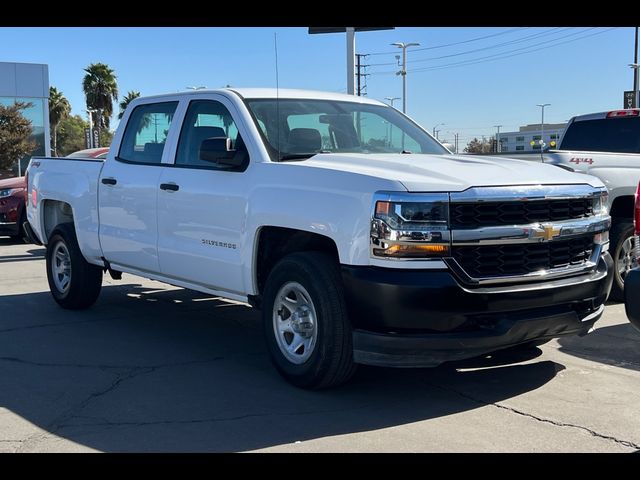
point(430, 350)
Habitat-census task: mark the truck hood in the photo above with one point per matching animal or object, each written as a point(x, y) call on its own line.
point(16, 182)
point(452, 173)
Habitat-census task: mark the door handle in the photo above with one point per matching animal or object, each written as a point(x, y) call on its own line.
point(170, 187)
point(109, 181)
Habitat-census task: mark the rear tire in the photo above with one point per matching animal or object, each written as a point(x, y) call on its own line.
point(21, 236)
point(74, 283)
point(305, 319)
point(622, 240)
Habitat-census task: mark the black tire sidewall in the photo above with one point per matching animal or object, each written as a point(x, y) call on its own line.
point(295, 269)
point(86, 279)
point(619, 233)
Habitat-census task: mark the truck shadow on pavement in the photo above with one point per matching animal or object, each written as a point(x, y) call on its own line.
point(158, 370)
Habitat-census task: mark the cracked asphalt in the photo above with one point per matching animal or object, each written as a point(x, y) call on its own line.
point(153, 368)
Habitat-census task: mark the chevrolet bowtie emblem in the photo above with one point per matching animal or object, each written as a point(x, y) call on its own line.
point(546, 232)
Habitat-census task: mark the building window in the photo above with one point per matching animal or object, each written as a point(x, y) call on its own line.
point(519, 139)
point(554, 136)
point(537, 137)
point(536, 146)
point(519, 147)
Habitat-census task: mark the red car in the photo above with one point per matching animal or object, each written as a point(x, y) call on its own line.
point(99, 153)
point(13, 196)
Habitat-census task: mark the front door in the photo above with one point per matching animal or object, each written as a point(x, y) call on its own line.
point(202, 210)
point(128, 189)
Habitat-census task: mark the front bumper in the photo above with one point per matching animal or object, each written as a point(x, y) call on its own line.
point(416, 318)
point(632, 296)
point(10, 210)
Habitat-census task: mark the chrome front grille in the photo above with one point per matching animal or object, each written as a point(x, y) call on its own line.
point(520, 234)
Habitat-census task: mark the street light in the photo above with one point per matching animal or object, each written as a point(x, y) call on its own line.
point(434, 129)
point(201, 87)
point(542, 105)
point(636, 83)
point(391, 100)
point(403, 72)
point(89, 112)
point(498, 147)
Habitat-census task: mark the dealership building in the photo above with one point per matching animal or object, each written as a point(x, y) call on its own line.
point(29, 83)
point(521, 140)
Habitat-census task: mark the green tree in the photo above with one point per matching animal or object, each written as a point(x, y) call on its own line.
point(59, 109)
point(480, 146)
point(100, 89)
point(132, 95)
point(71, 135)
point(15, 133)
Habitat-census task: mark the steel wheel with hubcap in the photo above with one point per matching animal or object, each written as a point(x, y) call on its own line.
point(295, 322)
point(74, 282)
point(622, 243)
point(305, 321)
point(626, 257)
point(61, 267)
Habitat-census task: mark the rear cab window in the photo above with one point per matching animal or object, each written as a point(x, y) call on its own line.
point(146, 133)
point(621, 135)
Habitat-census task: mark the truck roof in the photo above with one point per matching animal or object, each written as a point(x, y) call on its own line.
point(275, 93)
point(629, 112)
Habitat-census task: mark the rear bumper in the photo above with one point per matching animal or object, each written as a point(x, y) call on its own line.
point(415, 318)
point(632, 296)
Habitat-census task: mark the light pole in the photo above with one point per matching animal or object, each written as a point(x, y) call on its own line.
point(636, 77)
point(498, 148)
point(391, 100)
point(403, 72)
point(89, 112)
point(542, 105)
point(636, 81)
point(434, 129)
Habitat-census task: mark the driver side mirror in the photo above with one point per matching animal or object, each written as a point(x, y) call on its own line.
point(219, 150)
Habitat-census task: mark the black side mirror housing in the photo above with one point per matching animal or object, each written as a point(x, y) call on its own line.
point(219, 150)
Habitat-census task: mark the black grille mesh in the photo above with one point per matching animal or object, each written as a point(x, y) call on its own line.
point(520, 259)
point(481, 214)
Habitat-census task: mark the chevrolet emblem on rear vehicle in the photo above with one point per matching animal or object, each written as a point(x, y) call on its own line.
point(545, 233)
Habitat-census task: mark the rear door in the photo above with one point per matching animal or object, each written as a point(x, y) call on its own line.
point(128, 188)
point(202, 214)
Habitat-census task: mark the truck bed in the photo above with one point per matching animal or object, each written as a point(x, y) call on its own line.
point(71, 180)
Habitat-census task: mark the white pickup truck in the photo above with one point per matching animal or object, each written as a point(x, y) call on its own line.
point(361, 238)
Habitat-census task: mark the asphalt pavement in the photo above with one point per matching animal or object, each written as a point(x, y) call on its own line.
point(153, 368)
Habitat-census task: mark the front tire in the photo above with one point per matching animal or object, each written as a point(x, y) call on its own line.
point(305, 320)
point(622, 245)
point(74, 283)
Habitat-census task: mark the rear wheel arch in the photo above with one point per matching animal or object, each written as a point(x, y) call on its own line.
point(55, 213)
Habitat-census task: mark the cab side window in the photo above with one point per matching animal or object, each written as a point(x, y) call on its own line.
point(146, 133)
point(207, 119)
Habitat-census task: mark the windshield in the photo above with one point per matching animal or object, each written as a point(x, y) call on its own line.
point(620, 135)
point(307, 127)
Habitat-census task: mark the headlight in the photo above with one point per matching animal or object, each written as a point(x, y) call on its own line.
point(410, 226)
point(7, 192)
point(601, 204)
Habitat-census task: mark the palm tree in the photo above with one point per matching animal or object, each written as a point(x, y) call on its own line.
point(100, 89)
point(126, 101)
point(59, 109)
